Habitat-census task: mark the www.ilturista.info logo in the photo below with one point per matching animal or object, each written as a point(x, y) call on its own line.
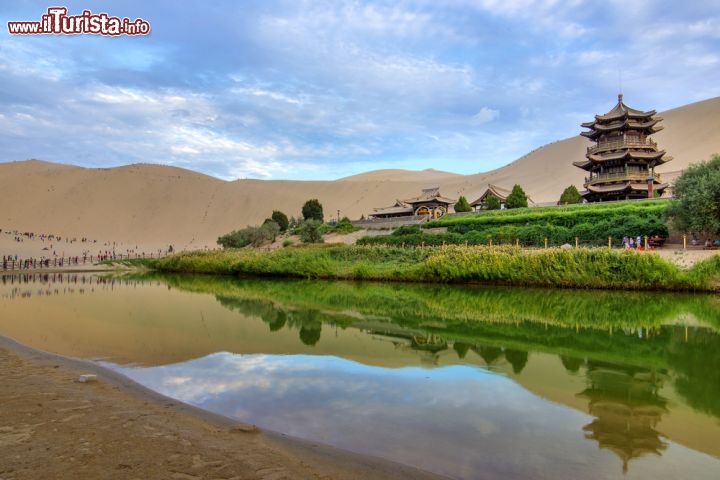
point(56, 21)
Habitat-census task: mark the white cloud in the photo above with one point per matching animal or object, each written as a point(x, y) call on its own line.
point(486, 115)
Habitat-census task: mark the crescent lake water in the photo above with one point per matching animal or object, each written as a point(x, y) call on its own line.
point(465, 381)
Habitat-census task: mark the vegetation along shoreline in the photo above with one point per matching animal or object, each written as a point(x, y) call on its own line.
point(583, 268)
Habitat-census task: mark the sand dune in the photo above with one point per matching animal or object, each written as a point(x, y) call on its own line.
point(152, 206)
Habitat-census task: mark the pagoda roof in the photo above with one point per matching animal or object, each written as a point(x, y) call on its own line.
point(600, 128)
point(622, 187)
point(584, 164)
point(613, 187)
point(643, 186)
point(622, 117)
point(620, 110)
point(430, 195)
point(639, 154)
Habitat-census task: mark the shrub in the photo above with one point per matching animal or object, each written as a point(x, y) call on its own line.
point(517, 198)
point(310, 231)
point(254, 236)
point(462, 205)
point(312, 209)
point(281, 219)
point(492, 203)
point(570, 195)
point(345, 226)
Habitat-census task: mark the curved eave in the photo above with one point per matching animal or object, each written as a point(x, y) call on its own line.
point(620, 110)
point(615, 187)
point(444, 201)
point(639, 154)
point(634, 124)
point(643, 186)
point(586, 165)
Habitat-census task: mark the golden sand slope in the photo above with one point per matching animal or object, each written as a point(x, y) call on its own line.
point(154, 206)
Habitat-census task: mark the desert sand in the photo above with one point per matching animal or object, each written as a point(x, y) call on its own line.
point(151, 206)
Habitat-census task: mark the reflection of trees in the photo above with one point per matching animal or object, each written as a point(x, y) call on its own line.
point(627, 408)
point(571, 364)
point(517, 358)
point(275, 319)
point(696, 357)
point(492, 354)
point(488, 354)
point(461, 349)
point(521, 319)
point(309, 324)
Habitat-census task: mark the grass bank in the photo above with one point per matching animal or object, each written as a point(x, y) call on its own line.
point(505, 265)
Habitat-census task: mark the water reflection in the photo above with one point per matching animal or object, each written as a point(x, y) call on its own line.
point(627, 407)
point(338, 362)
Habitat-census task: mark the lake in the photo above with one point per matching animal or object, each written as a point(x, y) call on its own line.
point(464, 381)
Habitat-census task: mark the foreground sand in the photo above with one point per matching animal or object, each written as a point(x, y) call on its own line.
point(53, 426)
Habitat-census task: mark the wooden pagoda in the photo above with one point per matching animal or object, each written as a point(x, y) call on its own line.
point(621, 164)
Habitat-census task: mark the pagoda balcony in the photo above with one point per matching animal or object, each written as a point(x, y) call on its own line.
point(621, 145)
point(634, 177)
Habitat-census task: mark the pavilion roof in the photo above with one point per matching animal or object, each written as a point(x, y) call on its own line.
point(398, 208)
point(430, 195)
point(498, 192)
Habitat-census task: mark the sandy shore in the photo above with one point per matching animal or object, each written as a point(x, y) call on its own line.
point(53, 426)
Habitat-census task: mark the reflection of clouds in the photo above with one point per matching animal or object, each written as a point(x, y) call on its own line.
point(397, 413)
point(177, 380)
point(455, 421)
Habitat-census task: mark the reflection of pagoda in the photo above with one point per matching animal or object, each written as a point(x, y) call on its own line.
point(622, 162)
point(627, 408)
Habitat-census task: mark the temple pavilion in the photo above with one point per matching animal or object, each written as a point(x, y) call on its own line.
point(429, 203)
point(494, 191)
point(621, 164)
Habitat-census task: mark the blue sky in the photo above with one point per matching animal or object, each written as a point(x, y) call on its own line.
point(320, 90)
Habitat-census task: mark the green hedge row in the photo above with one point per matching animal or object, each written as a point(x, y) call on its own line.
point(590, 224)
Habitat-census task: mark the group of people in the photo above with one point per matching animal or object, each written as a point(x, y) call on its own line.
point(630, 242)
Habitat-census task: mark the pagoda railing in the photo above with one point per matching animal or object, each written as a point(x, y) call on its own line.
point(640, 177)
point(621, 144)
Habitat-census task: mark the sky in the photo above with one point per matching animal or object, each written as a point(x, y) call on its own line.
point(319, 90)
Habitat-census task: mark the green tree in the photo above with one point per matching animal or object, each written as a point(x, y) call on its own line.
point(696, 207)
point(517, 198)
point(310, 231)
point(462, 205)
point(492, 203)
point(570, 195)
point(281, 219)
point(312, 209)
